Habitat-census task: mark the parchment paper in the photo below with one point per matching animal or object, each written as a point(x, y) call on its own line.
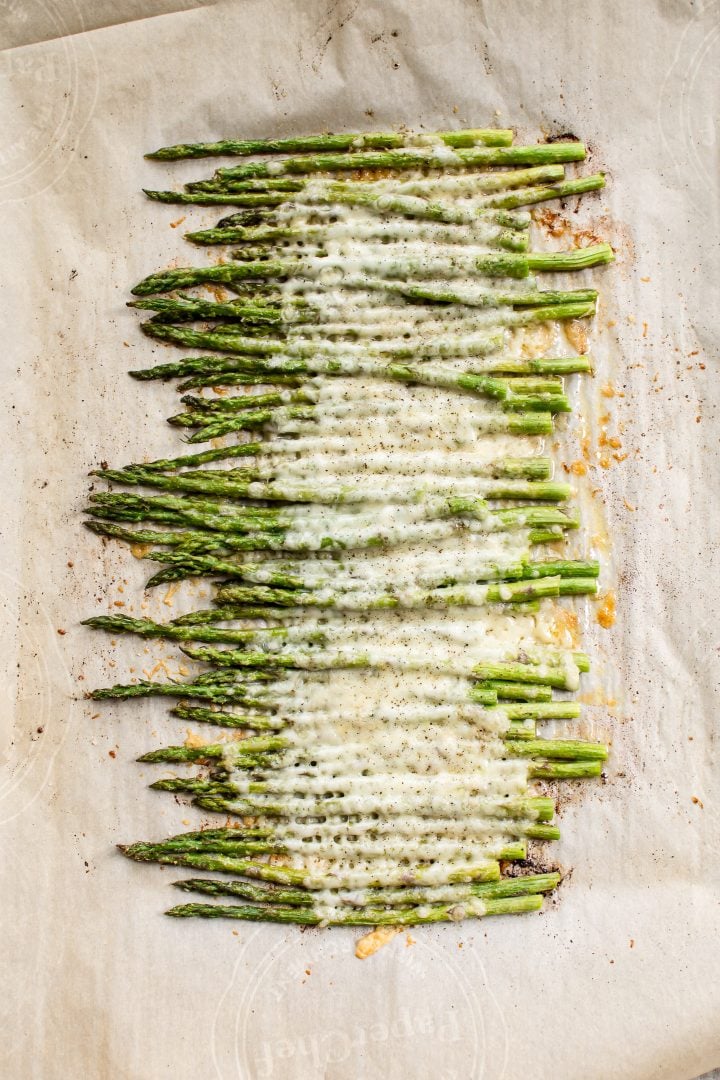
point(618, 977)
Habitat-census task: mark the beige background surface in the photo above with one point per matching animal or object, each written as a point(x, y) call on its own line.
point(620, 977)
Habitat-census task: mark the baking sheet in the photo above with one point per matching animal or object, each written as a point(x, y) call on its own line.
point(619, 976)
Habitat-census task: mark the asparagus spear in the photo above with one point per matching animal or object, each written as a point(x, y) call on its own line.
point(484, 339)
point(530, 195)
point(207, 367)
point(220, 718)
point(565, 678)
point(190, 541)
point(412, 206)
point(369, 848)
point(430, 913)
point(259, 892)
point(535, 808)
point(275, 806)
point(475, 157)
point(321, 575)
point(333, 143)
point(220, 797)
point(297, 753)
point(487, 870)
point(287, 528)
point(287, 349)
point(537, 710)
point(508, 391)
point(183, 307)
point(520, 672)
point(270, 459)
point(252, 719)
point(275, 235)
point(217, 198)
point(476, 183)
point(504, 219)
point(543, 396)
point(241, 484)
point(493, 265)
point(220, 690)
point(268, 184)
point(350, 600)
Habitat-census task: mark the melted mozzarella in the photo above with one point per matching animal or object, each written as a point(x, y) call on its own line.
point(389, 773)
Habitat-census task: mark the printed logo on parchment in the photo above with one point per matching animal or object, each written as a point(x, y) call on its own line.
point(688, 127)
point(45, 105)
point(287, 1012)
point(34, 674)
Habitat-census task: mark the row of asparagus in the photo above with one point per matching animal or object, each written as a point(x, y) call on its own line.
point(353, 297)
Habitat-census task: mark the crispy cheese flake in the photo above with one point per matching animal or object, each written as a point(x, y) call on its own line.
point(194, 741)
point(169, 595)
point(606, 612)
point(370, 944)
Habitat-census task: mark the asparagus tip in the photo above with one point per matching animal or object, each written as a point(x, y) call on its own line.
point(179, 912)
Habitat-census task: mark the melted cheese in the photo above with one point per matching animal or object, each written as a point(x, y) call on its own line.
point(389, 775)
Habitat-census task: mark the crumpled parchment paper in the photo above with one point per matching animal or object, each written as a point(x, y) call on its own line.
point(619, 976)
